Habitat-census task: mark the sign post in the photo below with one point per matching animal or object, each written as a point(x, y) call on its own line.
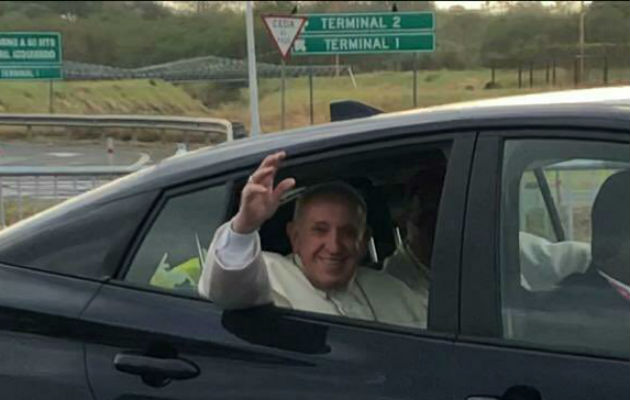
point(283, 29)
point(251, 68)
point(368, 33)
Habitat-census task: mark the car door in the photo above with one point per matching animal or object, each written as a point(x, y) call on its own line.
point(52, 267)
point(148, 342)
point(41, 339)
point(526, 332)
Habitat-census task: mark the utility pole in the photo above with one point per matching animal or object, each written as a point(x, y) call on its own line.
point(581, 73)
point(251, 63)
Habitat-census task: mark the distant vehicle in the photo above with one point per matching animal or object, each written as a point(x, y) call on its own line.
point(98, 294)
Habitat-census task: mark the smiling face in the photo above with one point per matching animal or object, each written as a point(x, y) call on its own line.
point(328, 235)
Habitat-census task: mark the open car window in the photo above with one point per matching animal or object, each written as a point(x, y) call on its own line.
point(402, 190)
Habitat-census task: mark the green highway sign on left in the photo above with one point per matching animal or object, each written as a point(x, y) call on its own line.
point(364, 44)
point(30, 55)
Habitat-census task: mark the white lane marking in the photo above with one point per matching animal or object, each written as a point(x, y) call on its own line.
point(63, 155)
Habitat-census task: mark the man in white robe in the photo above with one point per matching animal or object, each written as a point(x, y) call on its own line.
point(328, 238)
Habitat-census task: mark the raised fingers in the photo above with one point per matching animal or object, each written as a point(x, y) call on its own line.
point(259, 176)
point(282, 188)
point(273, 159)
point(268, 168)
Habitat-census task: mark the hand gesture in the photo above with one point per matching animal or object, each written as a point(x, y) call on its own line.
point(259, 199)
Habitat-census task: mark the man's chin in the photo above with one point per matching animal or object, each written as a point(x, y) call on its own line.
point(332, 283)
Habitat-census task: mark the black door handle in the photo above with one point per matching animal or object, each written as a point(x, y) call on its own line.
point(155, 371)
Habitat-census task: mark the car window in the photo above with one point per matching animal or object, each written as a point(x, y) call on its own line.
point(564, 245)
point(172, 251)
point(402, 190)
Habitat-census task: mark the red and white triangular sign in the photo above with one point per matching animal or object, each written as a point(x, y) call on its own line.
point(284, 29)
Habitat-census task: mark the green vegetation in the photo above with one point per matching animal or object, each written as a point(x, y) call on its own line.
point(390, 91)
point(99, 97)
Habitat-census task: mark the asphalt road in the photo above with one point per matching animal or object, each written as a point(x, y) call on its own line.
point(69, 154)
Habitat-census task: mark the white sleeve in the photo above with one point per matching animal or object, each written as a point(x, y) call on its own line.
point(242, 283)
point(545, 264)
point(235, 250)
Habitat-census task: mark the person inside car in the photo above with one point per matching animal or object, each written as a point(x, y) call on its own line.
point(544, 264)
point(322, 274)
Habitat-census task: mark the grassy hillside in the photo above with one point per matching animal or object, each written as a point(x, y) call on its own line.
point(99, 97)
point(390, 91)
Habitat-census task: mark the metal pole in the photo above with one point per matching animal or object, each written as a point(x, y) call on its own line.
point(251, 63)
point(531, 74)
point(605, 70)
point(415, 79)
point(336, 65)
point(581, 71)
point(19, 193)
point(520, 73)
point(492, 73)
point(2, 214)
point(282, 95)
point(310, 91)
point(51, 108)
point(553, 72)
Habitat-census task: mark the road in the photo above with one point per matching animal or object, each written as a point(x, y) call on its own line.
point(70, 154)
point(42, 154)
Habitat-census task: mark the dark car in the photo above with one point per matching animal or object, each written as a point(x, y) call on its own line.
point(99, 299)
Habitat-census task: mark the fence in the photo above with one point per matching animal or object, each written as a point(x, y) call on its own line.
point(561, 72)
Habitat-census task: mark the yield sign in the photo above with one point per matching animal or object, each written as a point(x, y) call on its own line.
point(284, 30)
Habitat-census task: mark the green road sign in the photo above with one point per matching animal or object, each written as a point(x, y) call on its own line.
point(30, 72)
point(30, 55)
point(330, 24)
point(362, 44)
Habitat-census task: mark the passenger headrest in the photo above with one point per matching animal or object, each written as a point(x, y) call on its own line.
point(611, 227)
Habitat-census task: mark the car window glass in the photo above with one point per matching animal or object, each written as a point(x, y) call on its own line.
point(169, 256)
point(564, 245)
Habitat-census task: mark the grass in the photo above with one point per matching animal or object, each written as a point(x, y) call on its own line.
point(152, 97)
point(389, 91)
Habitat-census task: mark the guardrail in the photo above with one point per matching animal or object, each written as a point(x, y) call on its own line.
point(26, 190)
point(213, 128)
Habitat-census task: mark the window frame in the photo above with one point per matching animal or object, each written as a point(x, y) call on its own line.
point(160, 204)
point(443, 317)
point(481, 320)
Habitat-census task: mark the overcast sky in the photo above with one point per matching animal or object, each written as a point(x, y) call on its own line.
point(473, 5)
point(476, 5)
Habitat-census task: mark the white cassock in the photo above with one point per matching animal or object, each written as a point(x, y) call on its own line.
point(237, 274)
